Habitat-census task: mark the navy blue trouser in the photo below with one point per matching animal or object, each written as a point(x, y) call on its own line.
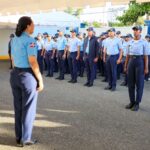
point(73, 65)
point(81, 64)
point(111, 65)
point(123, 63)
point(148, 75)
point(61, 63)
point(40, 60)
point(90, 69)
point(24, 85)
point(136, 79)
point(49, 62)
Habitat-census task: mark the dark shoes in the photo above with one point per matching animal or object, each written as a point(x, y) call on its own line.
point(133, 107)
point(72, 81)
point(113, 89)
point(108, 88)
point(123, 84)
point(104, 80)
point(129, 106)
point(59, 78)
point(28, 143)
point(88, 84)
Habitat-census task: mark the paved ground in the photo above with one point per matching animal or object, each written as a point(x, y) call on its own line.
point(73, 117)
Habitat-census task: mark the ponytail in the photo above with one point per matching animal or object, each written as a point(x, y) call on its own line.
point(22, 25)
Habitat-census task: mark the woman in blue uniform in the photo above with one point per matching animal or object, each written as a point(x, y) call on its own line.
point(26, 81)
point(49, 56)
point(136, 66)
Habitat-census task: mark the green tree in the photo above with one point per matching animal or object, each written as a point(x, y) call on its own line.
point(135, 11)
point(96, 24)
point(69, 10)
point(76, 12)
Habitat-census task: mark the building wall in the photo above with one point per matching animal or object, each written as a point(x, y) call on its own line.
point(4, 39)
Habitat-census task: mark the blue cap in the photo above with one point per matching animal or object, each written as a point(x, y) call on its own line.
point(118, 32)
point(129, 35)
point(112, 30)
point(90, 29)
point(147, 36)
point(138, 27)
point(74, 31)
point(45, 33)
point(60, 30)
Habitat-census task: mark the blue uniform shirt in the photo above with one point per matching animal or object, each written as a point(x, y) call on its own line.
point(23, 47)
point(81, 45)
point(113, 46)
point(125, 47)
point(40, 44)
point(73, 44)
point(88, 46)
point(49, 45)
point(61, 43)
point(149, 48)
point(138, 47)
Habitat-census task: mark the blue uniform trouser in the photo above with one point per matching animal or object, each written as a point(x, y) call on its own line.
point(61, 63)
point(81, 64)
point(24, 84)
point(49, 62)
point(136, 79)
point(73, 65)
point(125, 75)
point(148, 75)
point(90, 69)
point(40, 60)
point(111, 65)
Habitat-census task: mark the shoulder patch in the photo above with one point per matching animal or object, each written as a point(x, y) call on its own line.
point(32, 45)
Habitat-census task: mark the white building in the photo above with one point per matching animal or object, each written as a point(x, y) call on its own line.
point(105, 14)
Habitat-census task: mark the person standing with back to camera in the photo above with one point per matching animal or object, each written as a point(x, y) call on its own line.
point(26, 81)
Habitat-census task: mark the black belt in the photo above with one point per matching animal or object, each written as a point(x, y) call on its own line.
point(136, 56)
point(113, 55)
point(22, 69)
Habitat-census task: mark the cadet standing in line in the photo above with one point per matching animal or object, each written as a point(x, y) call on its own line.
point(40, 46)
point(105, 36)
point(81, 61)
point(9, 49)
point(136, 66)
point(74, 55)
point(26, 81)
point(61, 54)
point(49, 56)
point(91, 48)
point(128, 37)
point(147, 37)
point(45, 35)
point(113, 48)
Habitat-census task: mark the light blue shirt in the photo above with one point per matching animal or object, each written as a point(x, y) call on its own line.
point(149, 48)
point(124, 47)
point(49, 45)
point(73, 44)
point(138, 47)
point(81, 45)
point(61, 43)
point(88, 46)
point(40, 44)
point(113, 46)
point(23, 47)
